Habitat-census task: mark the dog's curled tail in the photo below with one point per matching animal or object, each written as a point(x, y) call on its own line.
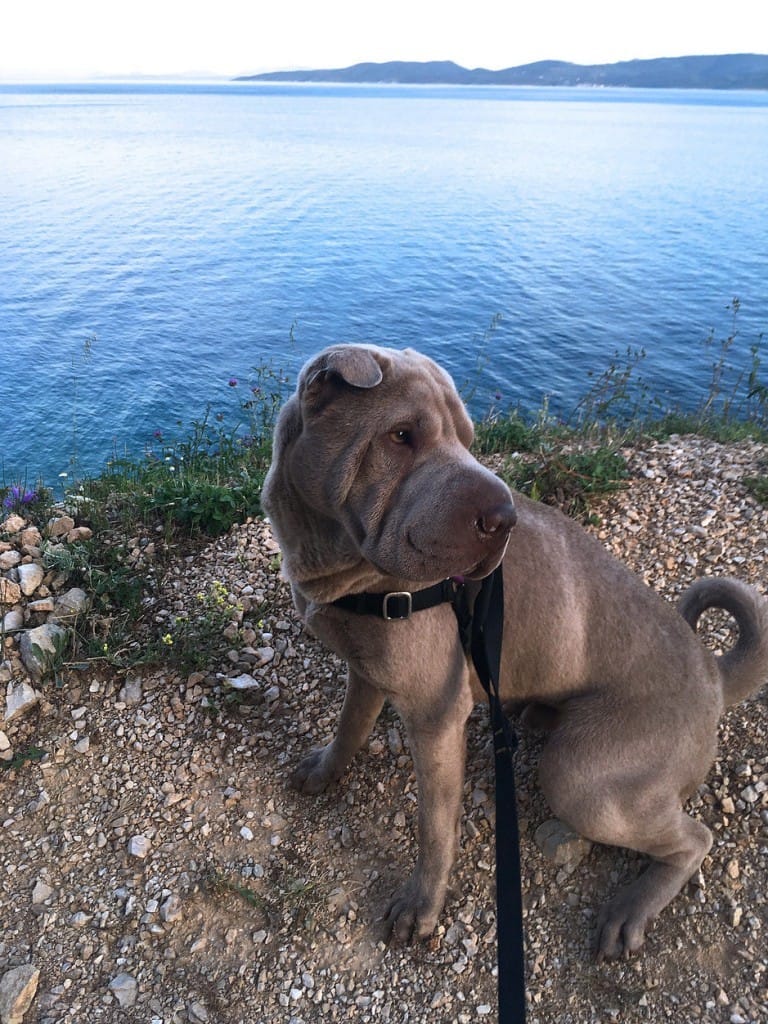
point(745, 667)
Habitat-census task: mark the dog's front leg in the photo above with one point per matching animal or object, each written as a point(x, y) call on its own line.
point(438, 746)
point(321, 767)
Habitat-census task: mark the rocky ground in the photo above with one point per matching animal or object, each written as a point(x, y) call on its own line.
point(155, 866)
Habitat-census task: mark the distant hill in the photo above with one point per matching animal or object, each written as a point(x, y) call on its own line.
point(728, 71)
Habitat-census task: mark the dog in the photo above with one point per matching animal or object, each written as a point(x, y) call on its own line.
point(375, 499)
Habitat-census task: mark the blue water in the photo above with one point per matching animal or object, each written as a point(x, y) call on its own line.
point(186, 233)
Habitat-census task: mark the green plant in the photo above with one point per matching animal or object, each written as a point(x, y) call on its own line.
point(572, 480)
point(32, 503)
point(496, 433)
point(218, 884)
point(203, 482)
point(30, 754)
point(468, 390)
point(294, 899)
point(52, 661)
point(736, 403)
point(615, 394)
point(189, 642)
point(758, 486)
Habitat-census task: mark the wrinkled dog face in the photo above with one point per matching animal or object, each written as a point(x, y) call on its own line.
point(383, 449)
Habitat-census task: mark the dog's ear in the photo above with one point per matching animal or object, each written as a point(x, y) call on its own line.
point(354, 365)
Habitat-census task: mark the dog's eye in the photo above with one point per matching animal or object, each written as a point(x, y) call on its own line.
point(400, 436)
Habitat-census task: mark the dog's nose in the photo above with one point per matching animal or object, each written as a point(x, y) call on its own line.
point(496, 520)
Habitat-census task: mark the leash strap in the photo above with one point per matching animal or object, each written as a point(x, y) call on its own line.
point(485, 647)
point(481, 627)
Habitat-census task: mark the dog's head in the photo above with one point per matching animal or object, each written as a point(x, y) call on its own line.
point(377, 441)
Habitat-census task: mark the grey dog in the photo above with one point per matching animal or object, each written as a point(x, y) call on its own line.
point(372, 489)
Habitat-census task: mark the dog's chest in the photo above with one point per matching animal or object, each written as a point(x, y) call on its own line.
point(419, 653)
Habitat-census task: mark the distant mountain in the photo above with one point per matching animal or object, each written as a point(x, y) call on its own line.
point(728, 71)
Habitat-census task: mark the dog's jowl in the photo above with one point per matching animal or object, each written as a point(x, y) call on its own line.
point(377, 505)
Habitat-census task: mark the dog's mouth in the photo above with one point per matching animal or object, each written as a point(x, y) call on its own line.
point(485, 566)
point(442, 563)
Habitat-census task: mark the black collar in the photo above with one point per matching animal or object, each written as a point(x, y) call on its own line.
point(400, 604)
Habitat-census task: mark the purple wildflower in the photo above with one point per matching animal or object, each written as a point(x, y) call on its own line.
point(17, 497)
point(232, 382)
point(158, 435)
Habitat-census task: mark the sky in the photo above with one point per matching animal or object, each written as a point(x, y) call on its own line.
point(51, 40)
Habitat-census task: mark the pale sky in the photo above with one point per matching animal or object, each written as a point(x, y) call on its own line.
point(57, 39)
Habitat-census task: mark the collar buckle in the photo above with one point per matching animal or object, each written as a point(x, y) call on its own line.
point(398, 604)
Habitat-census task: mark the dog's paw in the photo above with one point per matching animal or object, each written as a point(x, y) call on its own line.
point(315, 772)
point(411, 916)
point(620, 930)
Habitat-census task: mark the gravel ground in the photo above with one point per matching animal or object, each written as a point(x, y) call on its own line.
point(155, 866)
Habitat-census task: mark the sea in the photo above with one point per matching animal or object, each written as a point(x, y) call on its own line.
point(167, 246)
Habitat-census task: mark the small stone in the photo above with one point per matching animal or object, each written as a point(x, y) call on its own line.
point(17, 990)
point(394, 741)
point(30, 537)
point(728, 805)
point(171, 911)
point(131, 692)
point(71, 605)
point(124, 988)
point(246, 833)
point(10, 591)
point(9, 560)
point(41, 892)
point(79, 533)
point(561, 845)
point(19, 698)
point(60, 526)
point(139, 846)
point(12, 621)
point(265, 655)
point(197, 1013)
point(31, 576)
point(13, 524)
point(40, 647)
point(242, 682)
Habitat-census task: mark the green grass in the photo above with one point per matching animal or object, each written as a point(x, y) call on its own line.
point(571, 480)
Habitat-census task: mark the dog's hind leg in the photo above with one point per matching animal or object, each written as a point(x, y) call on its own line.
point(636, 809)
point(677, 850)
point(324, 766)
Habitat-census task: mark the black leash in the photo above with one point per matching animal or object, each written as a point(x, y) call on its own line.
point(485, 647)
point(481, 627)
